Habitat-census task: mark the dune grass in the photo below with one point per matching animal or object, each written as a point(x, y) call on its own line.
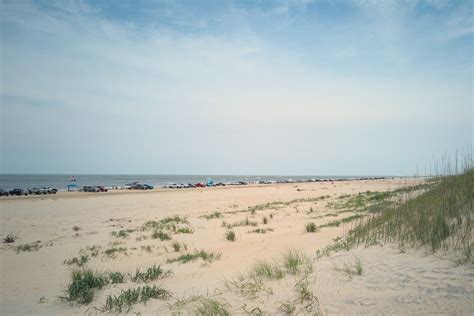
point(152, 273)
point(245, 222)
point(230, 235)
point(199, 305)
point(123, 233)
point(35, 246)
point(265, 269)
point(438, 217)
point(260, 230)
point(116, 277)
point(84, 284)
point(161, 235)
point(202, 254)
point(212, 215)
point(124, 301)
point(248, 287)
point(114, 251)
point(78, 261)
point(350, 268)
point(311, 227)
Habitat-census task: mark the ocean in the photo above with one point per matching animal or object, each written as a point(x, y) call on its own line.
point(59, 181)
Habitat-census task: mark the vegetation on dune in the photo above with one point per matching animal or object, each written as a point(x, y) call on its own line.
point(199, 305)
point(152, 273)
point(166, 226)
point(127, 298)
point(123, 233)
point(112, 252)
point(245, 222)
point(84, 284)
point(230, 235)
point(35, 246)
point(116, 277)
point(202, 254)
point(260, 230)
point(212, 215)
point(439, 217)
point(350, 268)
point(311, 227)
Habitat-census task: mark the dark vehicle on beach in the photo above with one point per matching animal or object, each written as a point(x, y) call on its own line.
point(139, 186)
point(18, 192)
point(220, 184)
point(199, 185)
point(102, 188)
point(3, 192)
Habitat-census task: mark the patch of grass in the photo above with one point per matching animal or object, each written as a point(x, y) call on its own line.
point(185, 230)
point(78, 261)
point(35, 246)
point(199, 305)
point(150, 274)
point(112, 252)
point(265, 220)
point(212, 215)
point(311, 227)
point(230, 235)
point(83, 286)
point(296, 261)
point(350, 268)
point(116, 277)
point(123, 233)
point(303, 291)
point(267, 270)
point(202, 254)
point(161, 235)
point(146, 248)
point(335, 223)
point(76, 228)
point(165, 223)
point(245, 222)
point(248, 287)
point(287, 307)
point(260, 230)
point(127, 298)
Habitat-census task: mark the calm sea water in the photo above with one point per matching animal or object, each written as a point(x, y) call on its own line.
point(25, 181)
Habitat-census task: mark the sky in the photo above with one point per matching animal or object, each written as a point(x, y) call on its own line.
point(297, 87)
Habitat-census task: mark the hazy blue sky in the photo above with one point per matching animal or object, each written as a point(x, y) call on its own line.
point(234, 87)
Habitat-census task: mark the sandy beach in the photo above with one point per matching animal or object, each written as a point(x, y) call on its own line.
point(69, 224)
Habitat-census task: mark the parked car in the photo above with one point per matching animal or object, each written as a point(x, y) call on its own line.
point(199, 185)
point(102, 188)
point(37, 191)
point(18, 192)
point(147, 187)
point(3, 192)
point(220, 184)
point(89, 188)
point(50, 190)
